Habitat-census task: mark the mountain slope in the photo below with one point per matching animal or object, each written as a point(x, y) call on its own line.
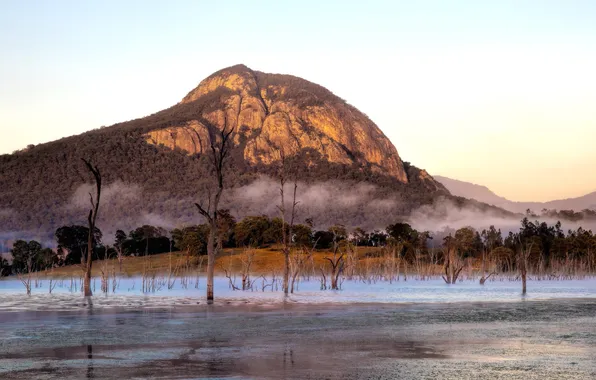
point(483, 194)
point(154, 168)
point(471, 191)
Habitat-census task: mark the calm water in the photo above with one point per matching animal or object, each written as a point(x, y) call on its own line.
point(404, 330)
point(128, 293)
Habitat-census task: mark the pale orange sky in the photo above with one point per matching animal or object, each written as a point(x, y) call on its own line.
point(502, 94)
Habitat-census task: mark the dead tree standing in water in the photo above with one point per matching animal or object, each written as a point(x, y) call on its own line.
point(453, 265)
point(523, 253)
point(286, 232)
point(92, 218)
point(220, 147)
point(337, 261)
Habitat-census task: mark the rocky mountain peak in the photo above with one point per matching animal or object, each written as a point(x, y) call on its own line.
point(273, 111)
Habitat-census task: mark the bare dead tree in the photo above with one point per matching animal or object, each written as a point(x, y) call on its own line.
point(523, 254)
point(484, 279)
point(220, 149)
point(92, 218)
point(246, 258)
point(298, 261)
point(336, 261)
point(104, 271)
point(231, 280)
point(392, 261)
point(120, 255)
point(323, 279)
point(453, 263)
point(26, 279)
point(286, 233)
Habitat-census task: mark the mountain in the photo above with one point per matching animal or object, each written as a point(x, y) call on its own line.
point(483, 194)
point(154, 167)
point(471, 191)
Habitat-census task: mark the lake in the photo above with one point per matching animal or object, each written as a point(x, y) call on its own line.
point(405, 330)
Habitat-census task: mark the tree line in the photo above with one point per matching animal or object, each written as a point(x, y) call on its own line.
point(540, 245)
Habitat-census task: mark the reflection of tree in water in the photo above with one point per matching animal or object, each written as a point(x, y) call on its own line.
point(288, 358)
point(214, 358)
point(90, 312)
point(90, 362)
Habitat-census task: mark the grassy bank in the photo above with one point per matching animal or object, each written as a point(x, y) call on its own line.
point(263, 261)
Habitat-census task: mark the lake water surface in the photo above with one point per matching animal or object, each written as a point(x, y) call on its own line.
point(404, 330)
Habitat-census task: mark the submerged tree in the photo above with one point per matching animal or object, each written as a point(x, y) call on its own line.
point(337, 261)
point(220, 146)
point(455, 249)
point(491, 239)
point(286, 228)
point(527, 240)
point(91, 219)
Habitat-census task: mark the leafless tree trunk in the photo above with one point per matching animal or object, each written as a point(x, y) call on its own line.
point(337, 263)
point(246, 259)
point(453, 266)
point(105, 272)
point(483, 267)
point(120, 253)
point(92, 218)
point(523, 255)
point(26, 280)
point(297, 263)
point(220, 149)
point(286, 235)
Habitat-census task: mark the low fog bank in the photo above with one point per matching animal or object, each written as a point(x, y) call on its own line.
point(123, 206)
point(326, 203)
point(444, 217)
point(126, 206)
point(362, 205)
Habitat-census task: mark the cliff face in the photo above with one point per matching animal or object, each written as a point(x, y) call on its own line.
point(272, 111)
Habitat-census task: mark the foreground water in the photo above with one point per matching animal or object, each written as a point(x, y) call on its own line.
point(367, 331)
point(128, 292)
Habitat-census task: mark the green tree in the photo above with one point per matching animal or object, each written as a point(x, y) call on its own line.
point(274, 234)
point(147, 232)
point(359, 237)
point(302, 235)
point(250, 231)
point(465, 240)
point(25, 255)
point(5, 268)
point(72, 240)
point(195, 239)
point(119, 238)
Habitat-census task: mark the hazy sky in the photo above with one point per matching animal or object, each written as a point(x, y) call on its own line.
point(499, 93)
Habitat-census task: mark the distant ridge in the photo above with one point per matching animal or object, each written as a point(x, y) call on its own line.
point(484, 194)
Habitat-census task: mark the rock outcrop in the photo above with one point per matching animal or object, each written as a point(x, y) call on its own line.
point(272, 111)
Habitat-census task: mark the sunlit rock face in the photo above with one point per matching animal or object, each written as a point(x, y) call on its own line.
point(272, 111)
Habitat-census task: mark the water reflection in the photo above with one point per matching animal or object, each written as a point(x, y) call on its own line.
point(89, 361)
point(329, 343)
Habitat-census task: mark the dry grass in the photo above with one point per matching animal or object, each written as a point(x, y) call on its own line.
point(265, 261)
